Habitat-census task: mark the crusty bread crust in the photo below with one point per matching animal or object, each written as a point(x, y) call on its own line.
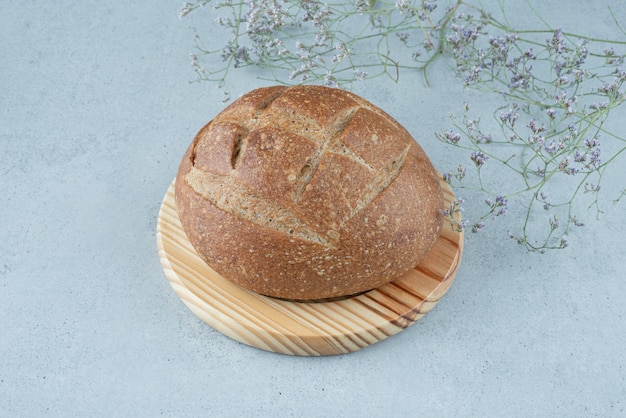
point(308, 192)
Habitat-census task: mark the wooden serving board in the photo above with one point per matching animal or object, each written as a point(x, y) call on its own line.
point(304, 328)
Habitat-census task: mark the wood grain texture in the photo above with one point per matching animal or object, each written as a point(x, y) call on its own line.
point(304, 328)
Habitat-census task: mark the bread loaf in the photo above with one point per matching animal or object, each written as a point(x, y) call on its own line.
point(308, 192)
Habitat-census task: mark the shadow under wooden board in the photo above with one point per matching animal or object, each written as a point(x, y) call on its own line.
point(304, 328)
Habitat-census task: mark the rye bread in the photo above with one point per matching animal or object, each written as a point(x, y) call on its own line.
point(308, 192)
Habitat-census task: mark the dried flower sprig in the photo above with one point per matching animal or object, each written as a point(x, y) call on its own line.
point(310, 41)
point(556, 88)
point(557, 91)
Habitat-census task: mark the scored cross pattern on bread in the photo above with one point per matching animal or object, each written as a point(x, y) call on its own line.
point(259, 128)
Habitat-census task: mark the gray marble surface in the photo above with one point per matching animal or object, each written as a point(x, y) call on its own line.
point(96, 109)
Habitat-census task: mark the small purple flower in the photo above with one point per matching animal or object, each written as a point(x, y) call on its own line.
point(360, 75)
point(456, 206)
point(501, 205)
point(580, 157)
point(551, 148)
point(591, 188)
point(429, 6)
point(452, 137)
point(500, 48)
point(405, 8)
point(538, 140)
point(501, 201)
point(592, 142)
point(580, 75)
point(473, 75)
point(562, 80)
point(521, 80)
point(511, 37)
point(469, 35)
point(484, 138)
point(557, 42)
point(330, 80)
point(510, 116)
point(594, 160)
point(559, 65)
point(362, 5)
point(554, 222)
point(471, 124)
point(479, 158)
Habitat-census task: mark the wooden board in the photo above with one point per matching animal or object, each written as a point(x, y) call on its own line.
point(304, 328)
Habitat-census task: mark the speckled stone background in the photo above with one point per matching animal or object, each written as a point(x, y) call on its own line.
point(96, 110)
